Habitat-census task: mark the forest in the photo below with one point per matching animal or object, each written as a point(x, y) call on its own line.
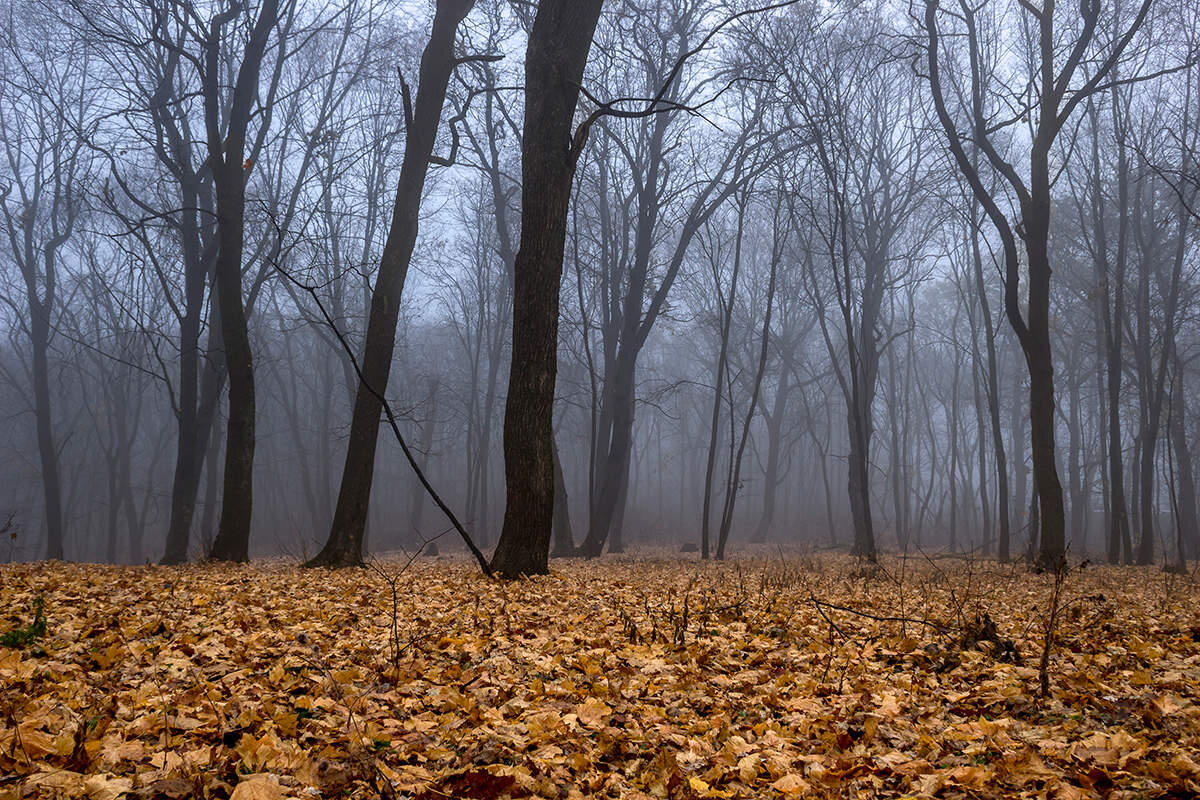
point(599, 398)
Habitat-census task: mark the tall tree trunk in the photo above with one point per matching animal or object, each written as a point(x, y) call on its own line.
point(344, 547)
point(39, 331)
point(1112, 290)
point(230, 170)
point(1055, 101)
point(725, 307)
point(233, 530)
point(1035, 215)
point(554, 61)
point(190, 443)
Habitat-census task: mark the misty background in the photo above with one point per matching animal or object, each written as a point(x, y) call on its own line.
point(787, 264)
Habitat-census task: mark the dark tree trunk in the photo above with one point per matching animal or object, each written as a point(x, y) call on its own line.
point(616, 542)
point(630, 328)
point(725, 308)
point(616, 431)
point(1113, 296)
point(1035, 215)
point(554, 61)
point(858, 487)
point(39, 331)
point(233, 530)
point(736, 471)
point(230, 170)
point(189, 442)
point(1054, 101)
point(344, 546)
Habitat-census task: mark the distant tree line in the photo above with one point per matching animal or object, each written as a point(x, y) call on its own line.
point(875, 275)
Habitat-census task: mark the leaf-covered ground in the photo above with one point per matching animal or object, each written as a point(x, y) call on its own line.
point(644, 678)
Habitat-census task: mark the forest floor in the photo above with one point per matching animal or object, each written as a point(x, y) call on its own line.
point(786, 677)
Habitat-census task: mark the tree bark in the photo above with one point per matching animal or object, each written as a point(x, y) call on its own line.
point(554, 62)
point(344, 547)
point(1054, 100)
point(39, 333)
point(230, 170)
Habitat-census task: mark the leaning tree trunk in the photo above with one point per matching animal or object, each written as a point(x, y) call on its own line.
point(554, 61)
point(344, 547)
point(1055, 102)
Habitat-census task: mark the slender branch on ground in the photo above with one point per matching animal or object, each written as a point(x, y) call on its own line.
point(391, 420)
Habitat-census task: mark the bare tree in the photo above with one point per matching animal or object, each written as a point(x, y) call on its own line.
point(866, 187)
point(557, 52)
point(1055, 92)
point(46, 108)
point(422, 118)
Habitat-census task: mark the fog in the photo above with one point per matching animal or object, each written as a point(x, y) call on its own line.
point(870, 276)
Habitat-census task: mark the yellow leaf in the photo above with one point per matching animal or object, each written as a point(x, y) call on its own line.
point(102, 787)
point(889, 706)
point(257, 787)
point(930, 784)
point(344, 676)
point(593, 712)
point(791, 786)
